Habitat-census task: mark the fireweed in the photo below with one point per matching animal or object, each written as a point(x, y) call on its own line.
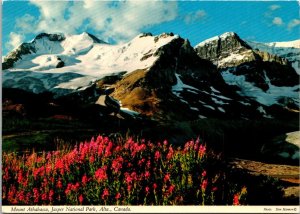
point(124, 172)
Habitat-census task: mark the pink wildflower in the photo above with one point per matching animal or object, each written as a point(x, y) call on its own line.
point(84, 180)
point(167, 178)
point(105, 194)
point(117, 164)
point(170, 153)
point(51, 193)
point(157, 155)
point(202, 150)
point(147, 174)
point(80, 198)
point(118, 196)
point(100, 174)
point(171, 188)
point(236, 199)
point(147, 190)
point(92, 159)
point(204, 185)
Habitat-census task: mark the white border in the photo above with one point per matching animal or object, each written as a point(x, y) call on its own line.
point(150, 209)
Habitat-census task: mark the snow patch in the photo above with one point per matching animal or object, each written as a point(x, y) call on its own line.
point(244, 103)
point(219, 102)
point(221, 109)
point(195, 109)
point(180, 86)
point(267, 98)
point(80, 83)
point(261, 110)
point(222, 97)
point(184, 101)
point(130, 112)
point(214, 90)
point(232, 58)
point(208, 106)
point(215, 38)
point(201, 116)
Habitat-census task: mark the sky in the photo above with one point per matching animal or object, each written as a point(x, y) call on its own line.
point(120, 21)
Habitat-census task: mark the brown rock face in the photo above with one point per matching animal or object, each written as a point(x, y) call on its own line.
point(232, 54)
point(145, 90)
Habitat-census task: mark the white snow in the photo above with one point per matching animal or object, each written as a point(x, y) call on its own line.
point(78, 83)
point(76, 44)
point(226, 34)
point(128, 111)
point(193, 108)
point(201, 116)
point(296, 66)
point(201, 102)
point(207, 41)
point(288, 44)
point(267, 98)
point(214, 90)
point(219, 102)
point(221, 109)
point(222, 97)
point(212, 39)
point(261, 110)
point(233, 58)
point(208, 106)
point(244, 103)
point(45, 46)
point(184, 101)
point(289, 50)
point(180, 86)
point(83, 56)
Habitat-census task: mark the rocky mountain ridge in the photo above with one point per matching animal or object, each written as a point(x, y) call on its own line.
point(165, 77)
point(250, 69)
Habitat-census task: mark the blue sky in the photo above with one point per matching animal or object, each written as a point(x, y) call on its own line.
point(118, 22)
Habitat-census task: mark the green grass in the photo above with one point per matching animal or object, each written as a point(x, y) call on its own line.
point(26, 142)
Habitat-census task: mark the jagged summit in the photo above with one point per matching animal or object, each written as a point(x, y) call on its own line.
point(61, 36)
point(50, 43)
point(258, 72)
point(52, 37)
point(158, 74)
point(222, 45)
point(230, 36)
point(289, 50)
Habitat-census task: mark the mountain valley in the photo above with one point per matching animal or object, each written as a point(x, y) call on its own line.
point(223, 89)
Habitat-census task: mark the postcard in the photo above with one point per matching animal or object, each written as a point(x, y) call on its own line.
point(150, 106)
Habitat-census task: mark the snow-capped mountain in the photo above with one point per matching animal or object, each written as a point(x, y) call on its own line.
point(289, 50)
point(161, 76)
point(74, 61)
point(259, 74)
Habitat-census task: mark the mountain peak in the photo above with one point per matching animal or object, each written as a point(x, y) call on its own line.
point(228, 34)
point(94, 38)
point(157, 37)
point(221, 46)
point(52, 37)
point(225, 36)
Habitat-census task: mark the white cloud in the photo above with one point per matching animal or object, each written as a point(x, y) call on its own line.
point(25, 23)
point(277, 21)
point(194, 16)
point(14, 40)
point(51, 15)
point(274, 7)
point(293, 23)
point(111, 20)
